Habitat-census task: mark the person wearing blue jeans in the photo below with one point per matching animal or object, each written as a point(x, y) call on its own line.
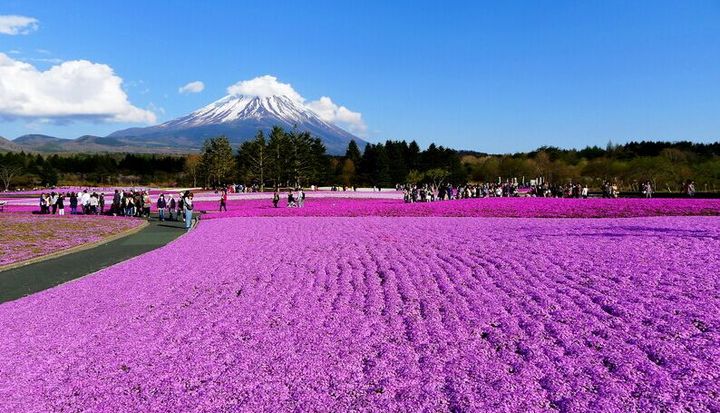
point(188, 208)
point(161, 205)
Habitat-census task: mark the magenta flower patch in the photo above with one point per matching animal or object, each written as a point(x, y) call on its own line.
point(383, 314)
point(489, 207)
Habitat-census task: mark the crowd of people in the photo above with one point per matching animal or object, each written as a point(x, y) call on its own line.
point(431, 193)
point(511, 188)
point(128, 203)
point(295, 199)
point(132, 203)
point(181, 209)
point(137, 203)
point(85, 203)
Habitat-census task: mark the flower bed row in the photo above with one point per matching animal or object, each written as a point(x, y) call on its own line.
point(23, 237)
point(327, 204)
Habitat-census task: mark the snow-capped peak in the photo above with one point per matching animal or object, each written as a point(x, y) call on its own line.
point(239, 117)
point(232, 108)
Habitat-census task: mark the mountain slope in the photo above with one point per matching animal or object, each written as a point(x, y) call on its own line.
point(239, 118)
point(9, 146)
point(41, 143)
point(83, 144)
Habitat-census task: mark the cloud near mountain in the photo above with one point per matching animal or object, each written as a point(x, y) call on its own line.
point(71, 90)
point(268, 86)
point(192, 87)
point(339, 115)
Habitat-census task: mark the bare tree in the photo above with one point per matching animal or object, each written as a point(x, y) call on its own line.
point(7, 173)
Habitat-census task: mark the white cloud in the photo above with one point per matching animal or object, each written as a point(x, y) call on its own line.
point(53, 60)
point(14, 25)
point(264, 86)
point(192, 87)
point(339, 115)
point(326, 109)
point(76, 89)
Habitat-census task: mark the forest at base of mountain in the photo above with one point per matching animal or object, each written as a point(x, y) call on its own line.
point(666, 164)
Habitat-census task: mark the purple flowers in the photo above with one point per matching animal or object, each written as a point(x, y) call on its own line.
point(383, 314)
point(490, 207)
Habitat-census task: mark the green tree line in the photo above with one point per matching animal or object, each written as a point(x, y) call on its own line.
point(291, 158)
point(32, 170)
point(668, 165)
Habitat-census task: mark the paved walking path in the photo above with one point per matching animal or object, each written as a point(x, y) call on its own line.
point(19, 282)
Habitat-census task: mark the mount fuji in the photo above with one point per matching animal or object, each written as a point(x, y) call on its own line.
point(238, 117)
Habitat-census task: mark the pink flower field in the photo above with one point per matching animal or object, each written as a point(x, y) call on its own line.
point(488, 207)
point(357, 204)
point(384, 314)
point(30, 236)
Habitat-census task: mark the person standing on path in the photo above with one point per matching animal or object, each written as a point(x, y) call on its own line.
point(188, 208)
point(171, 208)
point(161, 204)
point(276, 198)
point(181, 205)
point(146, 204)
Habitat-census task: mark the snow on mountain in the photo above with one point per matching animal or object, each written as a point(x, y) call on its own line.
point(232, 108)
point(239, 118)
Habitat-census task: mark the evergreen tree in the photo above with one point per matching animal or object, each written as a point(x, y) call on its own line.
point(432, 158)
point(296, 158)
point(353, 152)
point(306, 156)
point(375, 165)
point(396, 153)
point(217, 162)
point(255, 158)
point(412, 157)
point(48, 175)
point(279, 146)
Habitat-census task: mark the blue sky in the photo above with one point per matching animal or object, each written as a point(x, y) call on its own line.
point(490, 76)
